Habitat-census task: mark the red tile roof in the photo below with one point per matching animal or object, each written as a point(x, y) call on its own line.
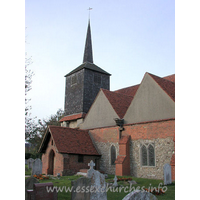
point(170, 78)
point(130, 91)
point(72, 141)
point(166, 85)
point(119, 101)
point(73, 117)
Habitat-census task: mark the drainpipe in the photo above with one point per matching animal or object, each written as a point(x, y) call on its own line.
point(120, 123)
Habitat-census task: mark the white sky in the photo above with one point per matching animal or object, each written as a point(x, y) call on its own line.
point(129, 38)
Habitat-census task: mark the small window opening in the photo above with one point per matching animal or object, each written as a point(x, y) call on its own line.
point(80, 158)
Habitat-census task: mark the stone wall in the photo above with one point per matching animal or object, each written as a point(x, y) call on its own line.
point(105, 161)
point(104, 138)
point(159, 133)
point(163, 152)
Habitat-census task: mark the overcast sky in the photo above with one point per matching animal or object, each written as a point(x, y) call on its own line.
point(129, 38)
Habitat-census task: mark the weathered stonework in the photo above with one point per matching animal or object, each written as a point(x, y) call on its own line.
point(163, 152)
point(105, 161)
point(104, 138)
point(158, 133)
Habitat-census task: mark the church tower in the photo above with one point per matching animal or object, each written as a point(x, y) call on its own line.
point(83, 85)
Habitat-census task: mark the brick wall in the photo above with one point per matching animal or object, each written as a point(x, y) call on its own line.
point(122, 162)
point(160, 133)
point(72, 166)
point(58, 159)
point(104, 138)
point(65, 164)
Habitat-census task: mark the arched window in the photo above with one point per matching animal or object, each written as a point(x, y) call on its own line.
point(113, 154)
point(147, 155)
point(144, 155)
point(151, 155)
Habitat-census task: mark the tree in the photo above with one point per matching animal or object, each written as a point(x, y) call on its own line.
point(28, 80)
point(39, 129)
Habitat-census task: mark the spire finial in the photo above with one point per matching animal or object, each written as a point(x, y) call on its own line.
point(89, 12)
point(87, 57)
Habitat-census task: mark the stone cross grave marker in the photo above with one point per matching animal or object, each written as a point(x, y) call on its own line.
point(29, 185)
point(91, 164)
point(98, 183)
point(30, 163)
point(138, 195)
point(115, 182)
point(167, 174)
point(37, 167)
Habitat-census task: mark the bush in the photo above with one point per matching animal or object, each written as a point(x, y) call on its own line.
point(33, 155)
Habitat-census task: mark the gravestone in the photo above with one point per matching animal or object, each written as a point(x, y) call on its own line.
point(42, 191)
point(167, 174)
point(98, 183)
point(30, 163)
point(115, 182)
point(139, 195)
point(37, 167)
point(78, 185)
point(29, 185)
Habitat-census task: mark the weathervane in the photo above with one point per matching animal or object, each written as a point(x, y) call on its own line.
point(89, 11)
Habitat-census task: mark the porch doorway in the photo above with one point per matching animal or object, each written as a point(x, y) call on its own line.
point(51, 162)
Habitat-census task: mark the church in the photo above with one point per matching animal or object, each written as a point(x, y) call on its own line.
point(130, 131)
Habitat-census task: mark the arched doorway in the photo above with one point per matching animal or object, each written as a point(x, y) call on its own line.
point(51, 162)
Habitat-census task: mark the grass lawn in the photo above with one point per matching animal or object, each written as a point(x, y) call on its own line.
point(27, 171)
point(65, 182)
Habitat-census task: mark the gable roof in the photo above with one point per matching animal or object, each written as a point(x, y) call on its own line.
point(119, 101)
point(69, 140)
point(90, 66)
point(166, 85)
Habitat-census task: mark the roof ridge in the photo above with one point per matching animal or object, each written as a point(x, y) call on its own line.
point(74, 129)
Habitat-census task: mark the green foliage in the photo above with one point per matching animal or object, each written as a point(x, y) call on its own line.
point(33, 155)
point(27, 170)
point(39, 128)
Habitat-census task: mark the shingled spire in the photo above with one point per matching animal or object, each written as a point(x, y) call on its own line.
point(87, 57)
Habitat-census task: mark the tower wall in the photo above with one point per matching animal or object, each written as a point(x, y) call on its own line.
point(82, 88)
point(93, 81)
point(74, 89)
